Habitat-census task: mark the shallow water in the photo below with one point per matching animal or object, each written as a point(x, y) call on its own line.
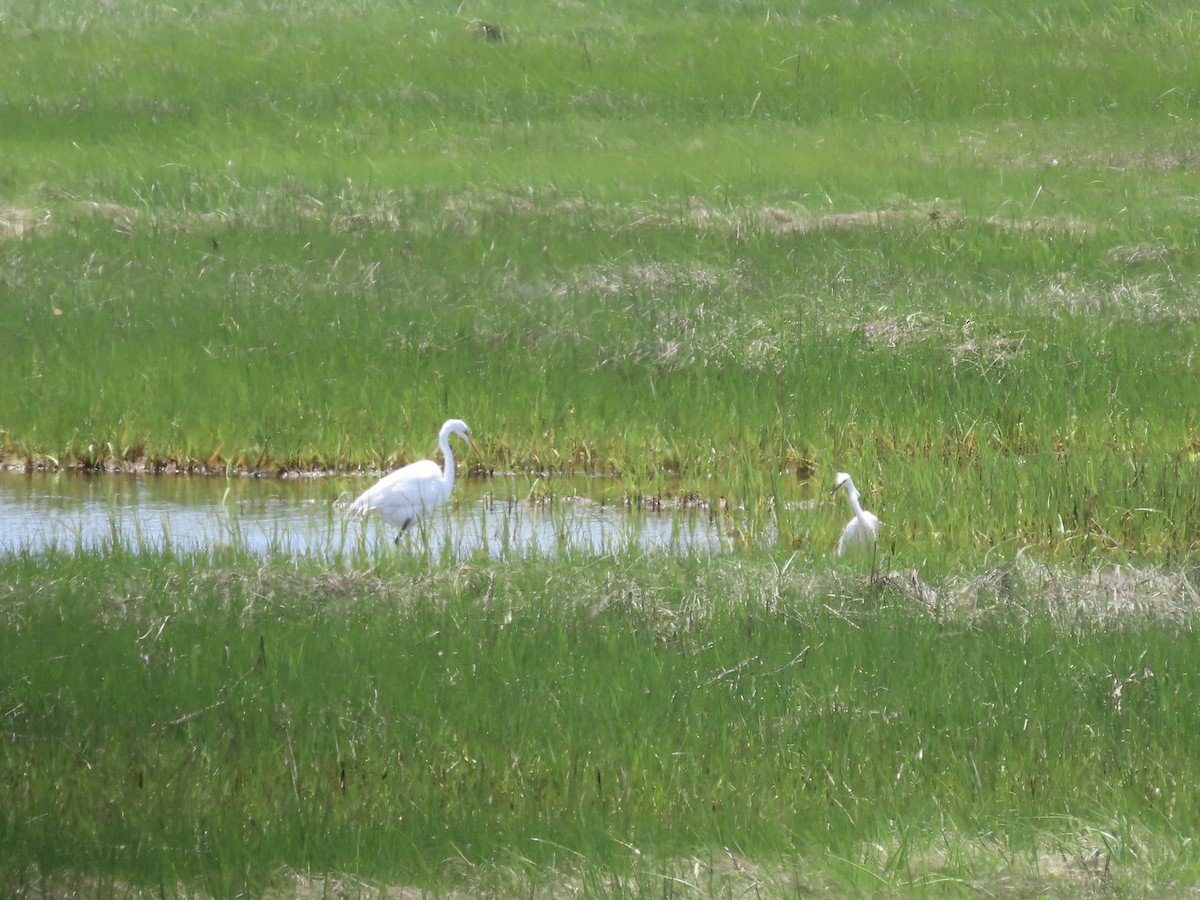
point(303, 517)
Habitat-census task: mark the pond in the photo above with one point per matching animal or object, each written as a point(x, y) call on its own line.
point(513, 515)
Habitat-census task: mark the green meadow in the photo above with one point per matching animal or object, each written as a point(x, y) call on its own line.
point(718, 251)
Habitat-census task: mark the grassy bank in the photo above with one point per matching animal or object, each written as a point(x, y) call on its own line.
point(488, 725)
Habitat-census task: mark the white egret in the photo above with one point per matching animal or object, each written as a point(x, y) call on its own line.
point(864, 527)
point(402, 497)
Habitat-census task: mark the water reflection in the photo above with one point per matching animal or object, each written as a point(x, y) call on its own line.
point(302, 517)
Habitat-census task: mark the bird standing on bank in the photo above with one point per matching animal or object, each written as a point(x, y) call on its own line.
point(412, 492)
point(863, 529)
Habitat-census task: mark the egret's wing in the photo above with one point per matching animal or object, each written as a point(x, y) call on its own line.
point(404, 494)
point(859, 531)
point(870, 524)
point(849, 536)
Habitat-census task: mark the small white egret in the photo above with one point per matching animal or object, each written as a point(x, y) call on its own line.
point(402, 497)
point(864, 527)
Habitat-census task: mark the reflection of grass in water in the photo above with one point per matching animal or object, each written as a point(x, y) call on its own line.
point(274, 521)
point(379, 720)
point(550, 520)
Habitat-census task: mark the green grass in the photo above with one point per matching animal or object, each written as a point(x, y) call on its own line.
point(255, 241)
point(433, 728)
point(717, 249)
point(982, 382)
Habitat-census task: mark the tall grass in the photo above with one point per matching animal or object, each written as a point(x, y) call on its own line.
point(946, 247)
point(258, 240)
point(1000, 368)
point(173, 721)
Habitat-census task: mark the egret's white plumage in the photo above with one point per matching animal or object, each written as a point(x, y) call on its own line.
point(864, 527)
point(402, 497)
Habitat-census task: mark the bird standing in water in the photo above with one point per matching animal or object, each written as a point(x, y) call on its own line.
point(402, 497)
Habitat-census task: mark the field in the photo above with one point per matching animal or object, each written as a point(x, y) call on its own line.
point(718, 251)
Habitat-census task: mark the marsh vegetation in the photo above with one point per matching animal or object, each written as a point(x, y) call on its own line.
point(712, 252)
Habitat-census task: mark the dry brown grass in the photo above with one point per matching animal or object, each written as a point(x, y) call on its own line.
point(783, 221)
point(1146, 298)
point(614, 280)
point(1109, 594)
point(17, 221)
point(986, 353)
point(900, 331)
point(1045, 225)
point(1079, 865)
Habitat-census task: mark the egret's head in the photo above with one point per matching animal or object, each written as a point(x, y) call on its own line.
point(456, 426)
point(459, 427)
point(843, 479)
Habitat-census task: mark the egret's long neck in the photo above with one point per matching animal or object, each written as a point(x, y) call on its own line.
point(448, 468)
point(852, 493)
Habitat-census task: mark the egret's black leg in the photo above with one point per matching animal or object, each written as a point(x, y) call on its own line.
point(403, 530)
